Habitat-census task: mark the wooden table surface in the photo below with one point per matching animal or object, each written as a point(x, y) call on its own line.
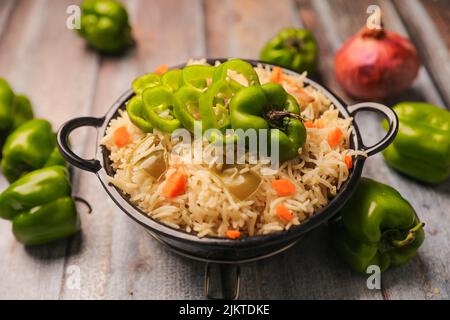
point(114, 257)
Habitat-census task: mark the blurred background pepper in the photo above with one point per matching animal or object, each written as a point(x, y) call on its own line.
point(291, 48)
point(31, 146)
point(14, 110)
point(104, 25)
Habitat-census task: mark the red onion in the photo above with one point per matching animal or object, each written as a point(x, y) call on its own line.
point(376, 63)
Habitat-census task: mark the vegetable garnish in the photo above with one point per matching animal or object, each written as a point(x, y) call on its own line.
point(314, 124)
point(276, 75)
point(283, 187)
point(233, 234)
point(160, 70)
point(121, 137)
point(309, 124)
point(175, 184)
point(348, 161)
point(283, 213)
point(335, 137)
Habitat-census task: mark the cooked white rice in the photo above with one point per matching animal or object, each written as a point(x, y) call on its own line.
point(207, 208)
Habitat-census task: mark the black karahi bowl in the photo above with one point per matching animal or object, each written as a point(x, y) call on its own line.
point(223, 250)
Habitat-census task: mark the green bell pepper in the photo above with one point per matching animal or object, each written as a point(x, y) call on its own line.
point(270, 106)
point(156, 101)
point(377, 227)
point(14, 110)
point(104, 25)
point(422, 147)
point(198, 76)
point(173, 79)
point(40, 206)
point(135, 110)
point(295, 49)
point(31, 146)
point(187, 109)
point(213, 104)
point(149, 80)
point(239, 66)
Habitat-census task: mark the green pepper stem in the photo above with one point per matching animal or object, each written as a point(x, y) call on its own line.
point(410, 237)
point(87, 204)
point(294, 43)
point(276, 115)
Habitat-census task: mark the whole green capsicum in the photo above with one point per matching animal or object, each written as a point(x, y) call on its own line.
point(31, 146)
point(104, 25)
point(422, 147)
point(377, 227)
point(14, 110)
point(237, 66)
point(295, 49)
point(270, 106)
point(40, 206)
point(158, 109)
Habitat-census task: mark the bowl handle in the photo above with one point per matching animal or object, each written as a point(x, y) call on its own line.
point(390, 116)
point(62, 137)
point(222, 281)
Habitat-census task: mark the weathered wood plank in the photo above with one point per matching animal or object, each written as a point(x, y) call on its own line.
point(318, 275)
point(439, 12)
point(426, 272)
point(43, 59)
point(435, 54)
point(6, 7)
point(117, 258)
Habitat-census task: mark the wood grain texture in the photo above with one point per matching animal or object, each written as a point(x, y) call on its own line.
point(432, 49)
point(59, 89)
point(426, 274)
point(117, 259)
point(439, 13)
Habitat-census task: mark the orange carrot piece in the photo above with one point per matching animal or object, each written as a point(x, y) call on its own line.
point(309, 124)
point(233, 234)
point(283, 187)
point(335, 137)
point(348, 161)
point(121, 137)
point(276, 75)
point(319, 123)
point(175, 184)
point(160, 70)
point(283, 213)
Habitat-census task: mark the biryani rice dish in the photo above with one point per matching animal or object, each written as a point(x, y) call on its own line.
point(207, 206)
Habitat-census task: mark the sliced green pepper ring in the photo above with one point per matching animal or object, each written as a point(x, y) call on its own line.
point(173, 79)
point(214, 102)
point(198, 75)
point(135, 110)
point(239, 66)
point(157, 100)
point(148, 80)
point(187, 106)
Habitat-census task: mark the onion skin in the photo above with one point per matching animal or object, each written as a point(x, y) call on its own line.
point(376, 64)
